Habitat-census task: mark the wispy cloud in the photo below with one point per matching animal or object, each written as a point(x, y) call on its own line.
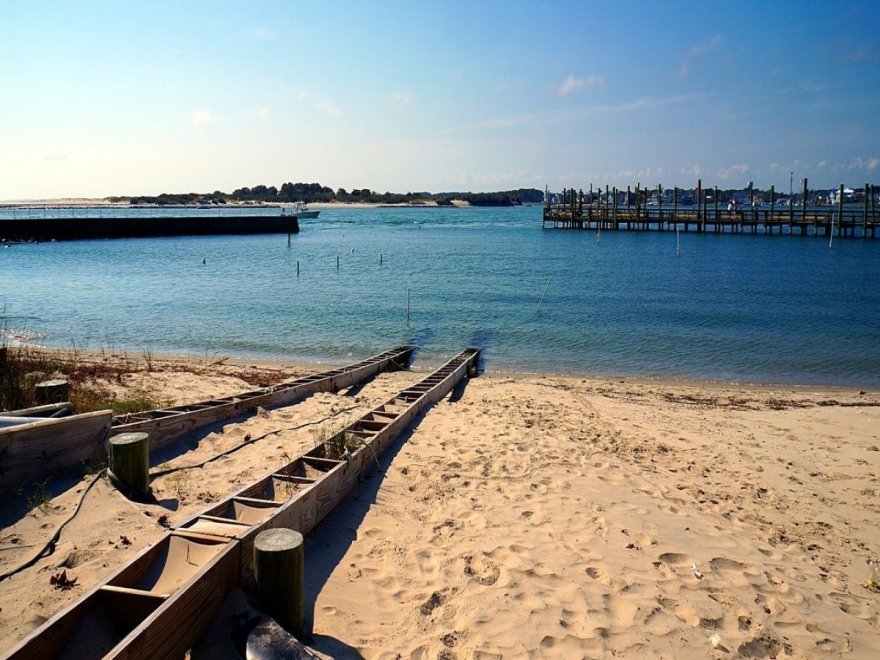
point(580, 113)
point(733, 172)
point(265, 34)
point(848, 53)
point(697, 51)
point(321, 105)
point(573, 84)
point(203, 117)
point(329, 109)
point(873, 163)
point(261, 113)
point(401, 98)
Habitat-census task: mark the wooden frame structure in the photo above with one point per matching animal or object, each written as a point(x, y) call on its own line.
point(161, 603)
point(165, 425)
point(34, 450)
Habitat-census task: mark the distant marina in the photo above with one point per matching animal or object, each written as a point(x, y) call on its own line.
point(703, 210)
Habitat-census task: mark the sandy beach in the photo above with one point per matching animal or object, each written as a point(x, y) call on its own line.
point(531, 516)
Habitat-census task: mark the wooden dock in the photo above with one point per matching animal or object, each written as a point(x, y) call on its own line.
point(574, 209)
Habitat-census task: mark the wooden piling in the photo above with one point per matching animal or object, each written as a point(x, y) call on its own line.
point(839, 209)
point(279, 576)
point(772, 206)
point(804, 205)
point(52, 391)
point(865, 214)
point(130, 463)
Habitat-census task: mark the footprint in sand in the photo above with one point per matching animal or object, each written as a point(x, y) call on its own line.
point(600, 575)
point(482, 569)
point(764, 645)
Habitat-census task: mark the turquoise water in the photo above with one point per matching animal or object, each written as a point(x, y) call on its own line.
point(734, 307)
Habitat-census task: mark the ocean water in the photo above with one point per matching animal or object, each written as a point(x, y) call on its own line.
point(768, 309)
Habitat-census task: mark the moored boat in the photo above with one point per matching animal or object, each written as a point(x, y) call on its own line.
point(298, 209)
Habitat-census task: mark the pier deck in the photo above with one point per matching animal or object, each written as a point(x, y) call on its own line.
point(753, 221)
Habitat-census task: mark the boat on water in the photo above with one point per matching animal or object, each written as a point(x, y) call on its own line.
point(299, 209)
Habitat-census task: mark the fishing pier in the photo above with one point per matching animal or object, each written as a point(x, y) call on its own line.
point(617, 210)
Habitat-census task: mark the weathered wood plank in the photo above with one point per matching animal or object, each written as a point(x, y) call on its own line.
point(30, 452)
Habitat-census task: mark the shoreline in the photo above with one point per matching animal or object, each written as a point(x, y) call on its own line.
point(94, 354)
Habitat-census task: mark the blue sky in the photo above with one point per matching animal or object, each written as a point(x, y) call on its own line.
point(104, 98)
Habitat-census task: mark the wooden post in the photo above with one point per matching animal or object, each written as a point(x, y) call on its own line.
point(659, 206)
point(772, 205)
point(130, 462)
point(715, 198)
point(278, 573)
point(52, 391)
point(638, 203)
point(614, 207)
point(337, 262)
point(675, 205)
point(699, 205)
point(839, 209)
point(865, 215)
point(804, 205)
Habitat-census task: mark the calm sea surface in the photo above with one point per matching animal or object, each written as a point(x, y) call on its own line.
point(780, 309)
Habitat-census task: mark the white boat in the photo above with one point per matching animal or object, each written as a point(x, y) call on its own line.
point(299, 209)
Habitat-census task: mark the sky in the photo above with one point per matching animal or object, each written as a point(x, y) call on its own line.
point(140, 98)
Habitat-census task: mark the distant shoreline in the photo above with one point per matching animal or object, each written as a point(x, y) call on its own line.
point(83, 202)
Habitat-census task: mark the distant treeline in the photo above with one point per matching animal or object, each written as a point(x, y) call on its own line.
point(315, 192)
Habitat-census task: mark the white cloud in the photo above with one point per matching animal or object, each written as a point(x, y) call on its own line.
point(822, 164)
point(401, 98)
point(203, 117)
point(698, 50)
point(583, 112)
point(733, 172)
point(573, 84)
point(329, 109)
point(265, 34)
point(873, 163)
point(261, 113)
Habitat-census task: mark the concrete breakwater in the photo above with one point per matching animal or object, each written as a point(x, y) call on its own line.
point(139, 226)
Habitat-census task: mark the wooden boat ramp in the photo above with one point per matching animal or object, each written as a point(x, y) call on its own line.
point(35, 446)
point(161, 603)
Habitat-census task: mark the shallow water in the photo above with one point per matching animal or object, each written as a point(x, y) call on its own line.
point(784, 309)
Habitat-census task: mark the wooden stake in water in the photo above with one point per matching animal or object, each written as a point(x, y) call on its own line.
point(407, 305)
point(297, 267)
point(337, 262)
point(541, 302)
point(380, 258)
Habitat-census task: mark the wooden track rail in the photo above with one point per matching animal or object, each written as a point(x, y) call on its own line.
point(161, 603)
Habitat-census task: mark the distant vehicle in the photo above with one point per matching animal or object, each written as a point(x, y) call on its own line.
point(299, 209)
